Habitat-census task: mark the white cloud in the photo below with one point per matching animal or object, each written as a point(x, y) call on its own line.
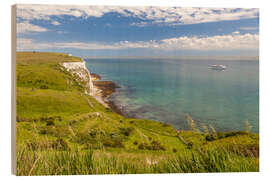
point(220, 43)
point(248, 28)
point(56, 23)
point(30, 44)
point(25, 27)
point(224, 42)
point(157, 15)
point(236, 32)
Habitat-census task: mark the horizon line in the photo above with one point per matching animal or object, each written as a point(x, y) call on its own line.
point(253, 58)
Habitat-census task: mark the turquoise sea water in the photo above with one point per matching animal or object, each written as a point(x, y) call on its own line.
point(165, 90)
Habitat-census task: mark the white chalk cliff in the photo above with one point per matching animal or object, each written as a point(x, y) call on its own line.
point(79, 69)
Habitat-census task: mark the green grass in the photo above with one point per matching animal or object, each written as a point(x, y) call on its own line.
point(89, 162)
point(61, 130)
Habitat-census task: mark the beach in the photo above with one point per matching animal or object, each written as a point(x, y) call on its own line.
point(104, 90)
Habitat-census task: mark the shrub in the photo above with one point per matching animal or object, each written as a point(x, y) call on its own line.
point(93, 133)
point(126, 131)
point(142, 146)
point(43, 131)
point(59, 118)
point(60, 144)
point(108, 110)
point(81, 138)
point(189, 145)
point(43, 86)
point(165, 125)
point(72, 122)
point(50, 122)
point(50, 118)
point(210, 137)
point(135, 142)
point(155, 146)
point(91, 146)
point(228, 134)
point(118, 143)
point(174, 150)
point(220, 135)
point(115, 143)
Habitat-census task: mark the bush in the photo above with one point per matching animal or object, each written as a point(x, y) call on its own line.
point(50, 122)
point(126, 131)
point(142, 146)
point(174, 150)
point(108, 110)
point(220, 135)
point(166, 125)
point(115, 143)
point(88, 146)
point(43, 131)
point(155, 146)
point(43, 86)
point(235, 133)
point(189, 145)
point(60, 144)
point(72, 122)
point(210, 137)
point(59, 118)
point(93, 133)
point(135, 142)
point(81, 138)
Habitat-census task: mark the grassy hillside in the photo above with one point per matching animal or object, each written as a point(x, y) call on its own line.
point(61, 130)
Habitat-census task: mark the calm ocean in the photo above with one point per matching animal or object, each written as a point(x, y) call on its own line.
point(165, 90)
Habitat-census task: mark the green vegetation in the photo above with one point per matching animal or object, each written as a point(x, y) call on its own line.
point(61, 130)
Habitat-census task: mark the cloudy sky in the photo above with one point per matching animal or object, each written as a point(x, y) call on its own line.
point(138, 31)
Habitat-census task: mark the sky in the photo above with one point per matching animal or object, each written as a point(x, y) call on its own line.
point(143, 31)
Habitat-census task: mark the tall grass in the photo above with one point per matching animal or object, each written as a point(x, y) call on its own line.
point(85, 162)
point(54, 162)
point(212, 161)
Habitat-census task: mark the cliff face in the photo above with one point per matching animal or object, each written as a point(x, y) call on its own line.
point(82, 74)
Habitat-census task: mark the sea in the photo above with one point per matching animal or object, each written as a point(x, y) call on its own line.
point(165, 90)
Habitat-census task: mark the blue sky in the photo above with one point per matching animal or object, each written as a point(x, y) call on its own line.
point(138, 31)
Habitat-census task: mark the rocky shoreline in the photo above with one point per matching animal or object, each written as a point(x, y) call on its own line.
point(106, 88)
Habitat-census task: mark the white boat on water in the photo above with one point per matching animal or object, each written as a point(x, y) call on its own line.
point(218, 67)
